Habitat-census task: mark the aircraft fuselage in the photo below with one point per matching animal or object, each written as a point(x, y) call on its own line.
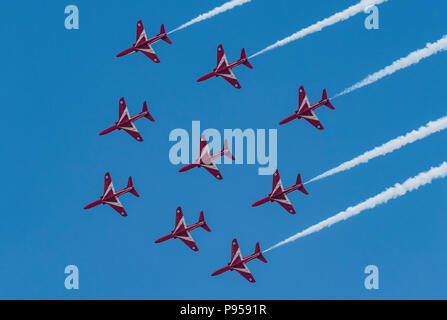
point(313, 107)
point(102, 200)
point(174, 235)
point(215, 72)
point(135, 47)
point(230, 66)
point(150, 41)
point(117, 127)
point(237, 265)
point(119, 193)
point(272, 198)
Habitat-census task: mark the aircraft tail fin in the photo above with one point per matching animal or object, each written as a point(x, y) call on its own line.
point(300, 182)
point(148, 115)
point(163, 31)
point(328, 103)
point(204, 225)
point(226, 151)
point(244, 56)
point(258, 251)
point(130, 185)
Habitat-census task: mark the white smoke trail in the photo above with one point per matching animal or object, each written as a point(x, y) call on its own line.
point(412, 58)
point(340, 16)
point(225, 7)
point(392, 145)
point(396, 191)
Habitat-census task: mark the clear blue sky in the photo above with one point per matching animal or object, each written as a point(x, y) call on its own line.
point(60, 88)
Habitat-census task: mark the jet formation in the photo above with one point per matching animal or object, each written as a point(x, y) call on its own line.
point(181, 230)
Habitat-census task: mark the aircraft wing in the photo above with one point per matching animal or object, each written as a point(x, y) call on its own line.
point(236, 255)
point(310, 117)
point(116, 204)
point(141, 33)
point(188, 240)
point(284, 202)
point(212, 168)
point(277, 187)
point(180, 223)
point(203, 146)
point(108, 186)
point(243, 271)
point(222, 61)
point(303, 101)
point(206, 160)
point(123, 112)
point(188, 167)
point(149, 52)
point(130, 128)
point(230, 77)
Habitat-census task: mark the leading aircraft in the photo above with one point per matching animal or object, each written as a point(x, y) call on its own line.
point(125, 121)
point(239, 264)
point(223, 68)
point(181, 230)
point(279, 194)
point(306, 111)
point(205, 160)
point(110, 196)
point(143, 44)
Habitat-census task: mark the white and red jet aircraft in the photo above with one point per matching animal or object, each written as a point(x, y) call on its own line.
point(110, 196)
point(306, 111)
point(181, 230)
point(238, 263)
point(205, 159)
point(143, 44)
point(125, 121)
point(223, 68)
point(279, 194)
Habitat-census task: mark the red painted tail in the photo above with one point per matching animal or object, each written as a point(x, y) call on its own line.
point(165, 38)
point(244, 57)
point(130, 185)
point(204, 225)
point(226, 151)
point(300, 182)
point(328, 103)
point(148, 115)
point(258, 251)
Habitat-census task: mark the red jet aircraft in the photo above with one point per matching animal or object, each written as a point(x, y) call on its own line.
point(181, 230)
point(125, 121)
point(279, 194)
point(306, 111)
point(223, 68)
point(143, 44)
point(237, 263)
point(110, 197)
point(205, 160)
